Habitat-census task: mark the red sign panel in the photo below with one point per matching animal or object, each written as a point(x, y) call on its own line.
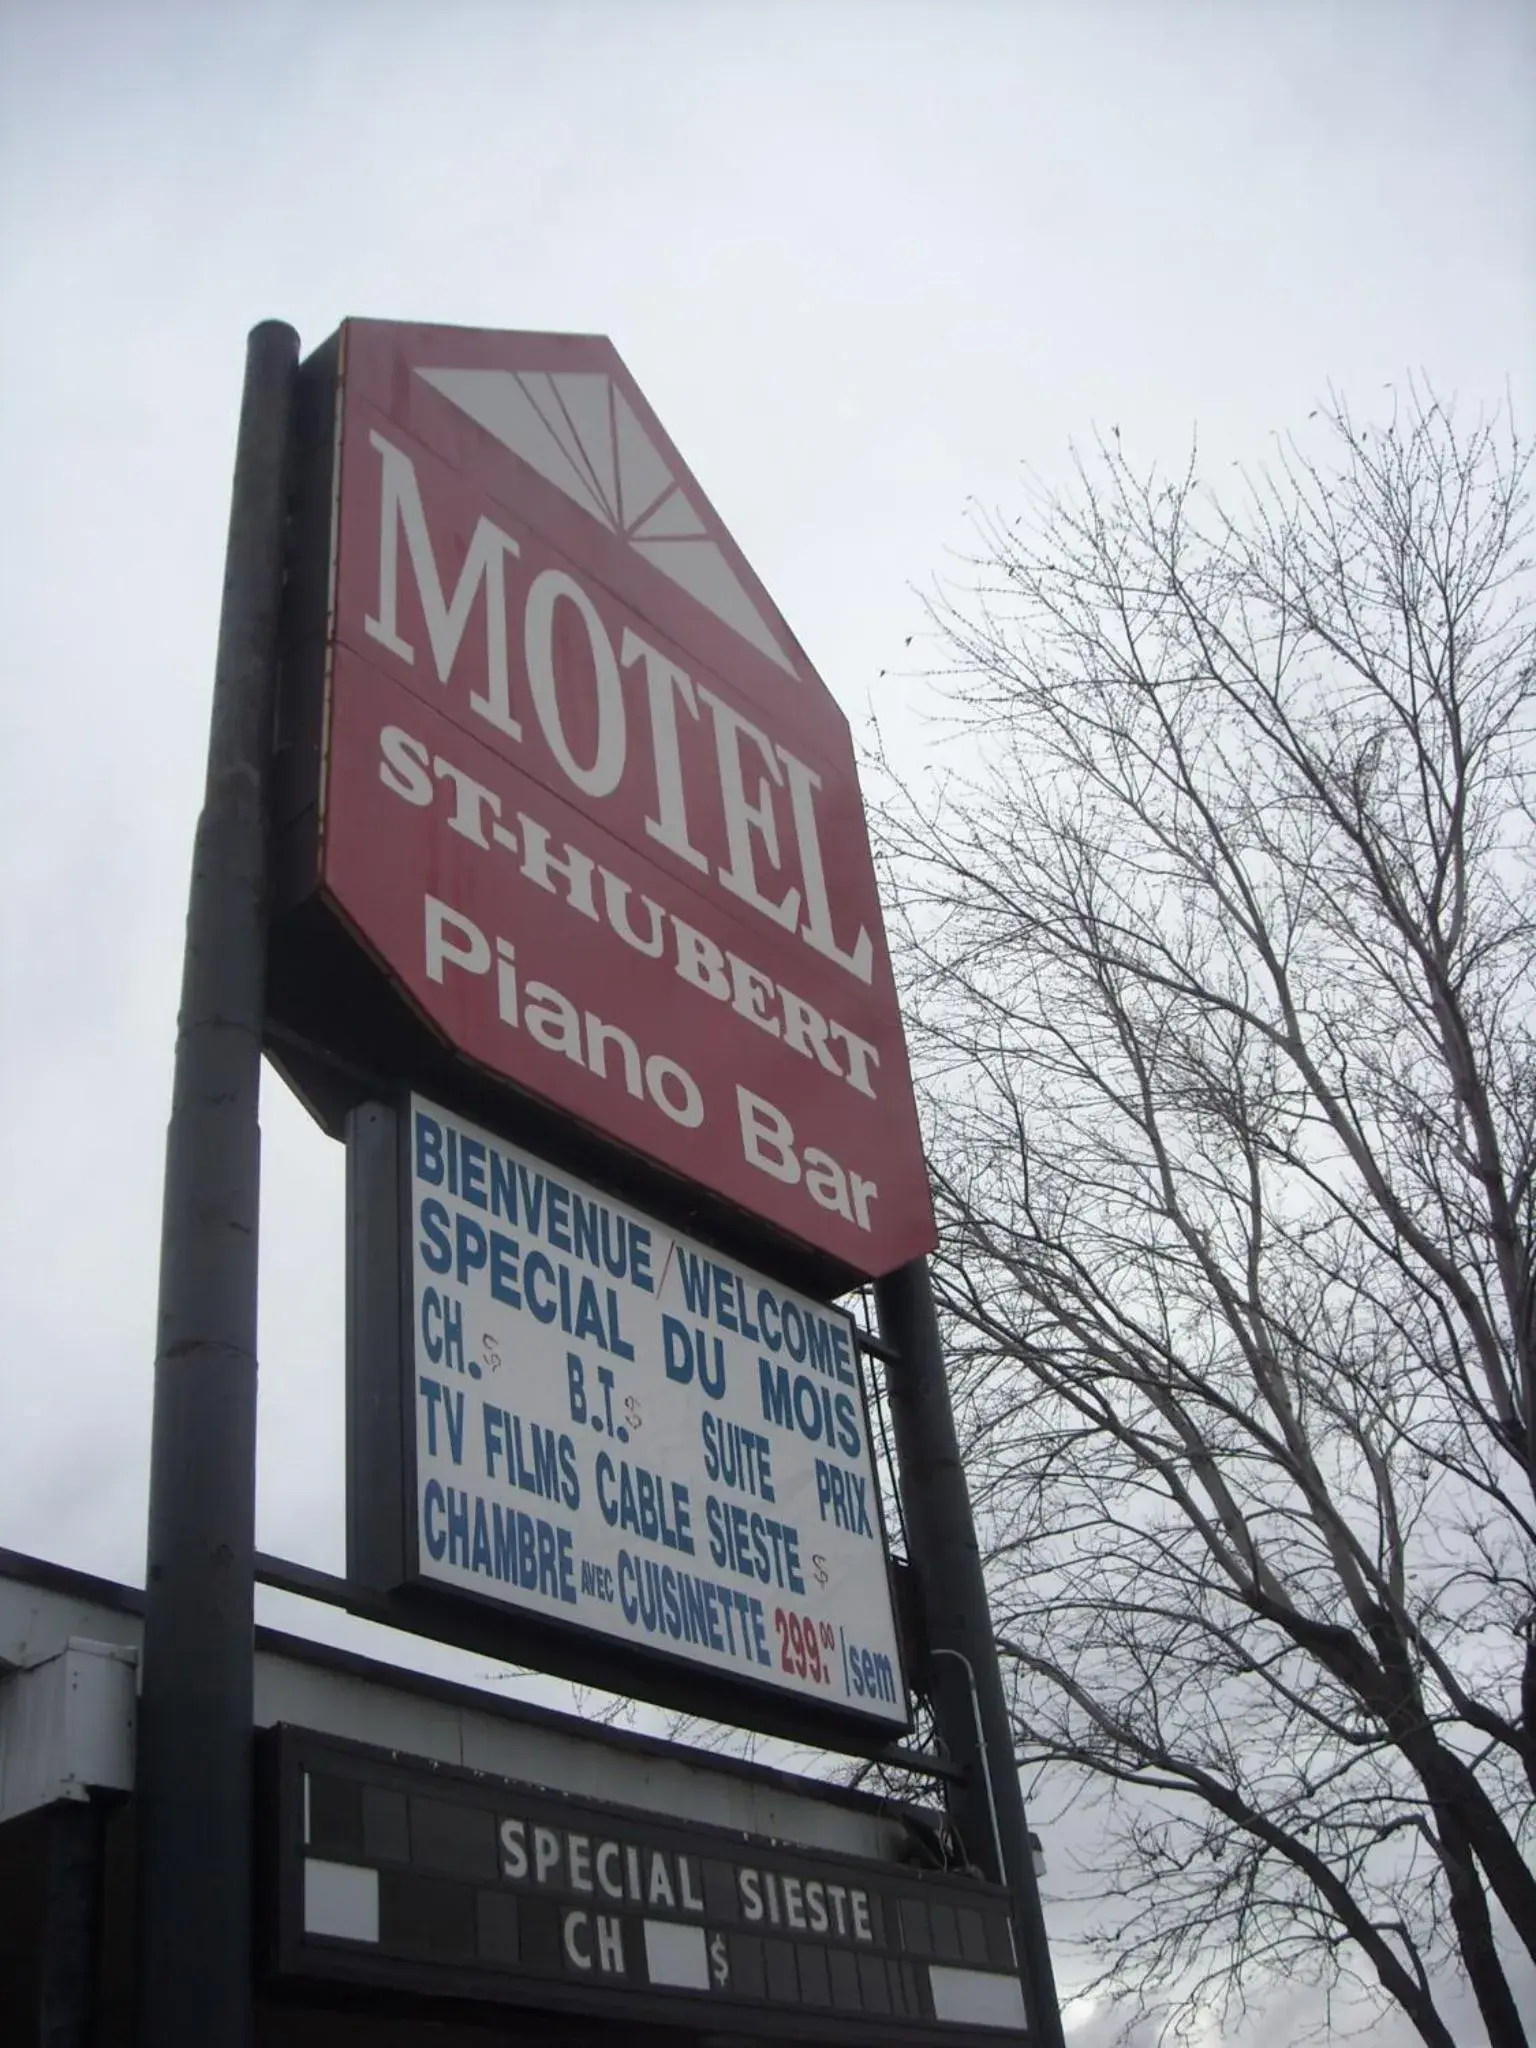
point(586, 798)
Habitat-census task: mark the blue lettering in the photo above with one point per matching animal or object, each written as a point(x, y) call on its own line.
point(504, 1532)
point(589, 1317)
point(808, 1408)
point(525, 1550)
point(608, 1508)
point(640, 1258)
point(850, 1443)
point(617, 1243)
point(712, 1367)
point(749, 1329)
point(436, 1251)
point(453, 1415)
point(724, 1298)
point(533, 1198)
point(777, 1394)
point(472, 1172)
point(432, 1393)
point(695, 1277)
point(453, 1337)
point(432, 1519)
point(503, 1187)
point(576, 1385)
point(431, 1326)
point(843, 1363)
point(570, 1480)
point(507, 1188)
point(677, 1349)
point(504, 1255)
point(618, 1343)
point(536, 1267)
point(545, 1462)
point(452, 1406)
point(458, 1526)
point(820, 1345)
point(429, 1150)
point(664, 1600)
point(585, 1237)
point(768, 1316)
point(469, 1247)
point(492, 1427)
point(712, 1610)
point(871, 1673)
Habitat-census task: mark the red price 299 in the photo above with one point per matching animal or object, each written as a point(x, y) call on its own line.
point(805, 1648)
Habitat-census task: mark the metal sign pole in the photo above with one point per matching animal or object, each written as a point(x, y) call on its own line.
point(194, 1764)
point(967, 1683)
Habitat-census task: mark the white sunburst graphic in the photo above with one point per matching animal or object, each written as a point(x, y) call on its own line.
point(577, 429)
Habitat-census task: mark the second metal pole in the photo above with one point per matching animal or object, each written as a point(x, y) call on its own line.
point(967, 1685)
point(194, 1785)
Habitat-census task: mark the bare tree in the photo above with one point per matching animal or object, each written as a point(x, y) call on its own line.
point(1218, 950)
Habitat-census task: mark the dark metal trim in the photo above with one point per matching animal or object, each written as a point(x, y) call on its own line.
point(886, 1353)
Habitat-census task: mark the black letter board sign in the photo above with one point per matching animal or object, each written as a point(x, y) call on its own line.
point(415, 1877)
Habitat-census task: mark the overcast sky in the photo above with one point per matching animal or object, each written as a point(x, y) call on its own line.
point(865, 260)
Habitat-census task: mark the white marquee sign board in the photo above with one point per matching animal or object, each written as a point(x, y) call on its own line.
point(617, 1429)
